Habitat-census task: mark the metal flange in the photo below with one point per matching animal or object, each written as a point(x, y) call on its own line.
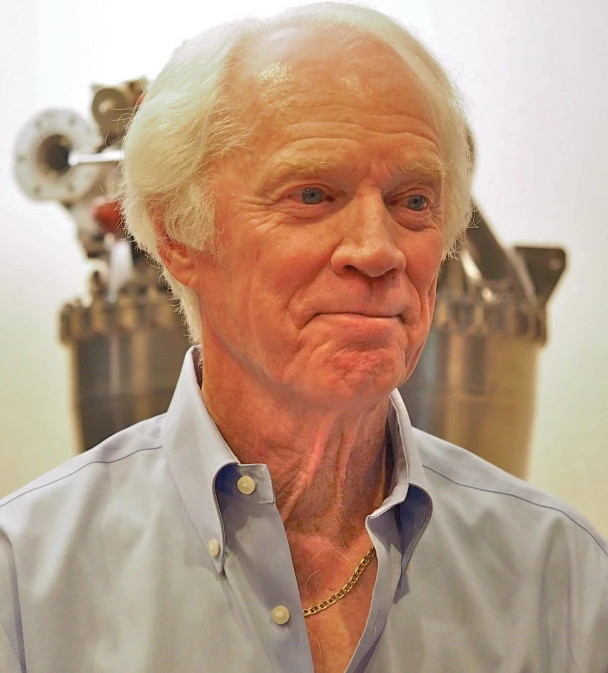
point(476, 317)
point(42, 167)
point(130, 312)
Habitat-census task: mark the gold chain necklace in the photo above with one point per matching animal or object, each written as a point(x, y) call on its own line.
point(347, 588)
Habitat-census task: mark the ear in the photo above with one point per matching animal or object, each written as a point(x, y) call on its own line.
point(178, 258)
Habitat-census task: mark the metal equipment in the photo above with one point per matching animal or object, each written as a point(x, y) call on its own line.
point(126, 340)
point(475, 384)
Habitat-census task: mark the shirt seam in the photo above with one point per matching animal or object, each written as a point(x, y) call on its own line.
point(65, 476)
point(519, 497)
point(12, 645)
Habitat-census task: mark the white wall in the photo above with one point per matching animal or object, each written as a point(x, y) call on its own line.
point(534, 73)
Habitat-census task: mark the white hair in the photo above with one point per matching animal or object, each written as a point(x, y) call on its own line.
point(188, 120)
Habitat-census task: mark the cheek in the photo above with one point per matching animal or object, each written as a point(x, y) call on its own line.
point(423, 259)
point(261, 269)
point(286, 268)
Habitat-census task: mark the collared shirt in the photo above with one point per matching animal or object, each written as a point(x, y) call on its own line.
point(152, 553)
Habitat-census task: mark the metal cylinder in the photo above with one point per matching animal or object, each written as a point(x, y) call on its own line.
point(126, 356)
point(478, 390)
point(475, 383)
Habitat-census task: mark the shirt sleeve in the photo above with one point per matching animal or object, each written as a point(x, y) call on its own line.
point(601, 627)
point(9, 661)
point(588, 589)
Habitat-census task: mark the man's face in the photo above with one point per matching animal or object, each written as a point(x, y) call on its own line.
point(329, 225)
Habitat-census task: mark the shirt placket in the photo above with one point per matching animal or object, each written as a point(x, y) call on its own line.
point(259, 569)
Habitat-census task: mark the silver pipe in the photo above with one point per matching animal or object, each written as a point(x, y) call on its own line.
point(105, 157)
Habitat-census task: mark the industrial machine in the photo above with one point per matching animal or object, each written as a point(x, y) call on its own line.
point(125, 338)
point(475, 384)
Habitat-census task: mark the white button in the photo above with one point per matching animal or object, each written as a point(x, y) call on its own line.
point(246, 485)
point(214, 547)
point(280, 615)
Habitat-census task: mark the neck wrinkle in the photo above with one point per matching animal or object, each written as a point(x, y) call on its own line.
point(328, 468)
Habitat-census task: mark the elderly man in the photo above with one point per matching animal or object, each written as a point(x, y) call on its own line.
point(300, 181)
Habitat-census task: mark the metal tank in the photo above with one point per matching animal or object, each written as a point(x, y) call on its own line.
point(126, 354)
point(475, 384)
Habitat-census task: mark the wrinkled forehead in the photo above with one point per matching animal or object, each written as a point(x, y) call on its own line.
point(301, 67)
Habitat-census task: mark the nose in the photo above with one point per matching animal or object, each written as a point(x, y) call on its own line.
point(368, 241)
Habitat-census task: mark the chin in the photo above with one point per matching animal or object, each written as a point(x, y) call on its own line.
point(365, 381)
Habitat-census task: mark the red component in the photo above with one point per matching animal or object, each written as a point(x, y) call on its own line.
point(108, 215)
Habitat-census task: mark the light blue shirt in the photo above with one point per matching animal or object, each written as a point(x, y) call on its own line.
point(105, 563)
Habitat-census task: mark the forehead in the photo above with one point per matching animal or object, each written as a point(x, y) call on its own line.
point(303, 74)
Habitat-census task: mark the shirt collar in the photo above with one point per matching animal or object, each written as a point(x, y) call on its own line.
point(196, 454)
point(410, 490)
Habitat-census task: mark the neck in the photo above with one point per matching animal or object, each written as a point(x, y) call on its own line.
point(327, 464)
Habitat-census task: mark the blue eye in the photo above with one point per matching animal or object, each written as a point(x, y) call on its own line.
point(312, 195)
point(417, 202)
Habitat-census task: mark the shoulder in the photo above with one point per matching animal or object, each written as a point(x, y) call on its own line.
point(81, 478)
point(46, 525)
point(59, 528)
point(495, 540)
point(481, 494)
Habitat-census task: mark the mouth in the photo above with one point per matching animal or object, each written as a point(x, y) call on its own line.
point(375, 316)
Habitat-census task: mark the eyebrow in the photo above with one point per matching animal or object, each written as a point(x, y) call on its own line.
point(300, 167)
point(430, 172)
